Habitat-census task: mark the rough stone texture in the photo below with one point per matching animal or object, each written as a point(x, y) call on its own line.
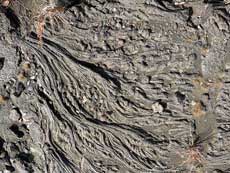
point(117, 86)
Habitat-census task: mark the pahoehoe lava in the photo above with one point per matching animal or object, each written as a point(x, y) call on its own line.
point(117, 86)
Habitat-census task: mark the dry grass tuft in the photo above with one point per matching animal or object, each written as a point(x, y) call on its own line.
point(47, 12)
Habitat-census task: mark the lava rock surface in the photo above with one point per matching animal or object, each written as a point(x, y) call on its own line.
point(117, 86)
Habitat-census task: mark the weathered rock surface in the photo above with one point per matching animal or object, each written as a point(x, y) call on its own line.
point(131, 86)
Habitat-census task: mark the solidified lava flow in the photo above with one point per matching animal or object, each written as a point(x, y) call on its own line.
point(117, 86)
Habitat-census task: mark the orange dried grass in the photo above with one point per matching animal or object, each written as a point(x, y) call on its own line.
point(48, 12)
point(193, 158)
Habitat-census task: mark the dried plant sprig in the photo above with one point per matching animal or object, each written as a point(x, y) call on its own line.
point(46, 12)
